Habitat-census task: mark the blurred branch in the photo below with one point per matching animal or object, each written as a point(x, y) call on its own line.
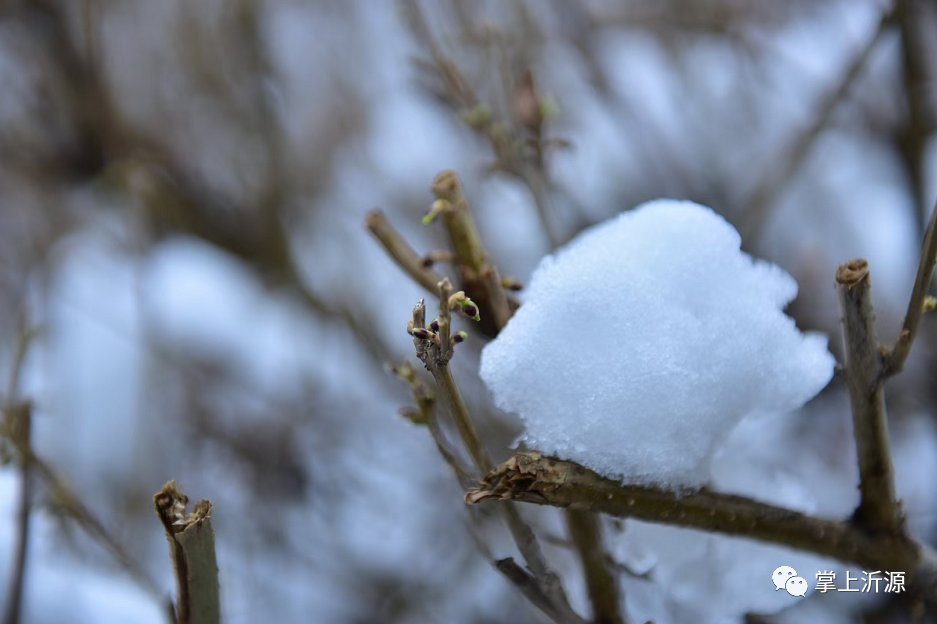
point(19, 423)
point(75, 509)
point(585, 531)
point(533, 478)
point(434, 347)
point(425, 414)
point(765, 196)
point(401, 252)
point(917, 20)
point(517, 140)
point(192, 546)
point(878, 507)
point(17, 427)
point(898, 354)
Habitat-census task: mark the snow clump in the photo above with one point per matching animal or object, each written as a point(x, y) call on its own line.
point(644, 341)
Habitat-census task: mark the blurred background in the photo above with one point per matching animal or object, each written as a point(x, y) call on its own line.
point(187, 289)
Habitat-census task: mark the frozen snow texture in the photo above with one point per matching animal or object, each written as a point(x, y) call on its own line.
point(643, 342)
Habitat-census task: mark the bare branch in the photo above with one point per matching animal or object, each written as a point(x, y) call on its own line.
point(19, 423)
point(764, 198)
point(401, 252)
point(896, 356)
point(533, 478)
point(17, 427)
point(585, 531)
point(480, 278)
point(878, 507)
point(916, 19)
point(434, 348)
point(527, 586)
point(425, 414)
point(192, 546)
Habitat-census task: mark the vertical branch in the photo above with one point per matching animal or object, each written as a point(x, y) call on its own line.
point(480, 278)
point(20, 424)
point(434, 347)
point(585, 530)
point(878, 507)
point(192, 546)
point(17, 426)
point(916, 20)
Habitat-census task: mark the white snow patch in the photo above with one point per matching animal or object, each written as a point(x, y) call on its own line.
point(644, 342)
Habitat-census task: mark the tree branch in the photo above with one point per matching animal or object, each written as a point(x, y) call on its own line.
point(434, 347)
point(878, 507)
point(480, 278)
point(763, 199)
point(585, 531)
point(19, 419)
point(898, 354)
point(533, 478)
point(401, 252)
point(192, 546)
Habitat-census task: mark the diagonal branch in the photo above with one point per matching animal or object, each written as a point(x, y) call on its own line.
point(533, 478)
point(896, 356)
point(401, 252)
point(878, 506)
point(764, 198)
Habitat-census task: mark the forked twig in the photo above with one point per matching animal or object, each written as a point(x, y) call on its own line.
point(878, 506)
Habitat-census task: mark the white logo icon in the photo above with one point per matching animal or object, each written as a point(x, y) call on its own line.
point(782, 575)
point(796, 586)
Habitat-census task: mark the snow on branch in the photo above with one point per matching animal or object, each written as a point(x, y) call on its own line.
point(646, 340)
point(534, 478)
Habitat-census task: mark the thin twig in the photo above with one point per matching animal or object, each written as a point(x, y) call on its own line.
point(464, 424)
point(509, 144)
point(75, 509)
point(480, 278)
point(425, 415)
point(17, 426)
point(435, 352)
point(878, 507)
point(19, 421)
point(897, 355)
point(916, 20)
point(401, 252)
point(533, 478)
point(585, 531)
point(764, 198)
point(528, 587)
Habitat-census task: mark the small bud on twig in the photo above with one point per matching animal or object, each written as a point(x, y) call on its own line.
point(477, 117)
point(413, 415)
point(461, 303)
point(421, 333)
point(460, 336)
point(511, 284)
point(439, 206)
